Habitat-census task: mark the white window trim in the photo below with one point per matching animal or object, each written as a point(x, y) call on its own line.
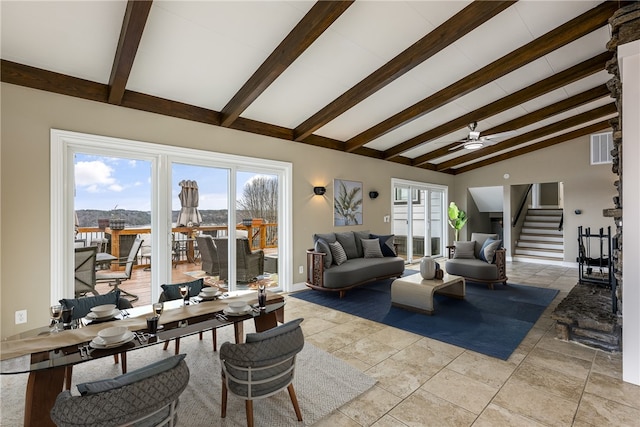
point(64, 144)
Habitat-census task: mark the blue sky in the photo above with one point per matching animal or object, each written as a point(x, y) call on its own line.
point(104, 182)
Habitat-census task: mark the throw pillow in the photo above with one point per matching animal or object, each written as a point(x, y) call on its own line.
point(337, 252)
point(359, 236)
point(386, 244)
point(464, 250)
point(327, 237)
point(371, 248)
point(273, 332)
point(82, 306)
point(155, 368)
point(172, 292)
point(488, 250)
point(322, 246)
point(348, 242)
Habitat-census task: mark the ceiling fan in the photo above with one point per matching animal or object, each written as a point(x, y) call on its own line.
point(474, 141)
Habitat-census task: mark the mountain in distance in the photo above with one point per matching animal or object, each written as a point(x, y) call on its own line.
point(89, 217)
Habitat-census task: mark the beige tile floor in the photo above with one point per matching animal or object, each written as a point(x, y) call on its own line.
point(423, 382)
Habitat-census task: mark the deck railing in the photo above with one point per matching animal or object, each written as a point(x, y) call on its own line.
point(261, 236)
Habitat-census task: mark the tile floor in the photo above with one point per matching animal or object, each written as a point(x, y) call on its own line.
point(423, 382)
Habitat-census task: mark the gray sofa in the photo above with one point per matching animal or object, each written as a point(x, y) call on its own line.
point(364, 262)
point(477, 262)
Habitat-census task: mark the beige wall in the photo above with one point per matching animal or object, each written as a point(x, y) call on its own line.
point(587, 188)
point(29, 115)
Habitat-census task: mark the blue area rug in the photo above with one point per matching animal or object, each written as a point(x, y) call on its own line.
point(492, 322)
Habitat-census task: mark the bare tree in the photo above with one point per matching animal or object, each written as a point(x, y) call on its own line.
point(260, 198)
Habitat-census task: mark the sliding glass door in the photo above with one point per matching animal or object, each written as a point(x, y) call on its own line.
point(418, 219)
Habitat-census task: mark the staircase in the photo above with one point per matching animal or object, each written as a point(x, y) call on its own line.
point(540, 240)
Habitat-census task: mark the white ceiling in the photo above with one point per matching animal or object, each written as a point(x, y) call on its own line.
point(202, 52)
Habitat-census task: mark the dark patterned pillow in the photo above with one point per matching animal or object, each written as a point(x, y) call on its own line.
point(371, 248)
point(339, 256)
point(386, 244)
point(172, 292)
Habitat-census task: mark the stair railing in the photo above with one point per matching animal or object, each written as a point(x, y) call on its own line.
point(523, 202)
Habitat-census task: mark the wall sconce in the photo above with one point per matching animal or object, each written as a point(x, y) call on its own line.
point(373, 194)
point(319, 191)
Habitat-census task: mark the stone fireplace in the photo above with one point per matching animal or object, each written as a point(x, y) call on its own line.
point(592, 314)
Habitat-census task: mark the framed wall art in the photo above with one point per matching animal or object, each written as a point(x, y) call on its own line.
point(347, 202)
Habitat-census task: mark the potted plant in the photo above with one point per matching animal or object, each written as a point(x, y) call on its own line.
point(457, 218)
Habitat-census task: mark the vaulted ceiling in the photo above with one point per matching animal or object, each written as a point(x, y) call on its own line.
point(393, 80)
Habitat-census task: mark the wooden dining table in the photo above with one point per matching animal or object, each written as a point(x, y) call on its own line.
point(45, 355)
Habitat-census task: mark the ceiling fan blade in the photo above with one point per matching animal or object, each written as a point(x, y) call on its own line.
point(500, 135)
point(458, 146)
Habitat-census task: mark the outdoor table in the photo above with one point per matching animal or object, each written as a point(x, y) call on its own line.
point(45, 355)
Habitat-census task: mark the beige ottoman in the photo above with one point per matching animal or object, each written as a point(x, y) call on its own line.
point(415, 293)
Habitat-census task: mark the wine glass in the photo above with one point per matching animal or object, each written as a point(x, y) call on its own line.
point(184, 292)
point(56, 313)
point(158, 308)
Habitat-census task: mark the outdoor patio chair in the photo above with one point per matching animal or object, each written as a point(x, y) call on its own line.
point(209, 255)
point(262, 366)
point(249, 265)
point(85, 271)
point(115, 278)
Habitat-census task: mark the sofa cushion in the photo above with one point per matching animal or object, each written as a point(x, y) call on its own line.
point(386, 244)
point(360, 270)
point(348, 242)
point(359, 236)
point(472, 269)
point(488, 250)
point(321, 245)
point(464, 250)
point(371, 248)
point(337, 252)
point(328, 237)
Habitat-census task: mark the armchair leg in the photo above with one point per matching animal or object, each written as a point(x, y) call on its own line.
point(294, 400)
point(223, 405)
point(248, 404)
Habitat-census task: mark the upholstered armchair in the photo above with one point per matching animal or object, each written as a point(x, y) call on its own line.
point(482, 259)
point(249, 264)
point(144, 397)
point(262, 366)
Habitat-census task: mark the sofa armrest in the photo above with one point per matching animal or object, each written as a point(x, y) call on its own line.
point(315, 268)
point(501, 263)
point(450, 251)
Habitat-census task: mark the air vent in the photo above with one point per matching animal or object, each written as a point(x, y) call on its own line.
point(601, 146)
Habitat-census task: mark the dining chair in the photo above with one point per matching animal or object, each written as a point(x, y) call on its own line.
point(85, 271)
point(145, 397)
point(82, 307)
point(262, 366)
point(171, 292)
point(115, 278)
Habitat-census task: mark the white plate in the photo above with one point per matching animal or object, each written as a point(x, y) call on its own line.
point(244, 312)
point(208, 297)
point(92, 316)
point(98, 342)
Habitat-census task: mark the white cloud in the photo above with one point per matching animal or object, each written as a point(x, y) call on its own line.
point(116, 187)
point(93, 175)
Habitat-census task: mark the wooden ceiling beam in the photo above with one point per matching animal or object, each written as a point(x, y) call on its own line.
point(135, 18)
point(543, 113)
point(596, 127)
point(559, 126)
point(314, 23)
point(471, 17)
point(554, 39)
point(563, 78)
